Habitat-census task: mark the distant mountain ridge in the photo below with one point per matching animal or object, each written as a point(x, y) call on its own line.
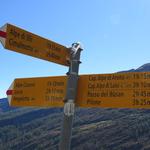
point(143, 68)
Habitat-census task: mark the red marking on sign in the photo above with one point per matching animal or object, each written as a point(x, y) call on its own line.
point(9, 92)
point(3, 34)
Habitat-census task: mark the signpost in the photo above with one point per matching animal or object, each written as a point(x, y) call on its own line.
point(69, 107)
point(19, 40)
point(118, 90)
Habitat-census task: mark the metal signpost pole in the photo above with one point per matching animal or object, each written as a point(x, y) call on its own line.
point(69, 107)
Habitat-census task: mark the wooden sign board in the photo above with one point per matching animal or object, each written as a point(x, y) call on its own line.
point(19, 40)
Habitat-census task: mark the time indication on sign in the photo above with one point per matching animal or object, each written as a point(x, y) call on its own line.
point(122, 90)
point(19, 40)
point(42, 92)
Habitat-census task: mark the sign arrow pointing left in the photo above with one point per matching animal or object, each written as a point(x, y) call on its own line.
point(22, 41)
point(3, 34)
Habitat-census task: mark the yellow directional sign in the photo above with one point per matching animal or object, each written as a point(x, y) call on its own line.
point(42, 92)
point(120, 90)
point(19, 40)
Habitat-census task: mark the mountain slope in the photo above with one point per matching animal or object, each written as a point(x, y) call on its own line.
point(96, 129)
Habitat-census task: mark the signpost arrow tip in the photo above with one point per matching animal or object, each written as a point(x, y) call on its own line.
point(9, 93)
point(3, 34)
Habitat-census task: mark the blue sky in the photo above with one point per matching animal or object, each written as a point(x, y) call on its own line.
point(115, 35)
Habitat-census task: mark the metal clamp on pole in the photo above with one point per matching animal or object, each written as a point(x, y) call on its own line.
point(69, 106)
point(75, 48)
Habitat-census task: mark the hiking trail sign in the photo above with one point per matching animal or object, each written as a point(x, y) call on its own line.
point(39, 92)
point(118, 90)
point(19, 40)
